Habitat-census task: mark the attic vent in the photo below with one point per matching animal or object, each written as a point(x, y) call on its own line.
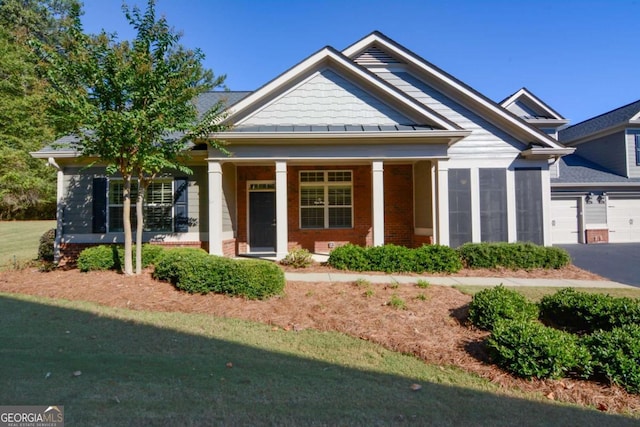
point(376, 56)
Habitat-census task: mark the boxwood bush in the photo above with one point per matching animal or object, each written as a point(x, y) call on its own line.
point(195, 271)
point(111, 257)
point(349, 257)
point(393, 258)
point(494, 304)
point(436, 259)
point(530, 349)
point(584, 312)
point(512, 255)
point(616, 354)
point(45, 247)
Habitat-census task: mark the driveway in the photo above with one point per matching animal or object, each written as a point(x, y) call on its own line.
point(619, 262)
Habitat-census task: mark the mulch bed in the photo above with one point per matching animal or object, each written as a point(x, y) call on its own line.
point(432, 326)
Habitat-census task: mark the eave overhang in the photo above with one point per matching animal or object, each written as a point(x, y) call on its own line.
point(538, 153)
point(343, 138)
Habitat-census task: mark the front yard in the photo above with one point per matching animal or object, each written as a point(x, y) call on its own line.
point(145, 340)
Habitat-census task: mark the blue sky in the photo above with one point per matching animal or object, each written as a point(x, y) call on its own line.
point(581, 57)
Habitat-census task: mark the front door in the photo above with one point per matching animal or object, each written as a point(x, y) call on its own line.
point(262, 221)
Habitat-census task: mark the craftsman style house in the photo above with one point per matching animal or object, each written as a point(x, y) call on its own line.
point(369, 145)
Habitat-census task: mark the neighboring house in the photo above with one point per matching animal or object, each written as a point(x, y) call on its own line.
point(596, 191)
point(369, 145)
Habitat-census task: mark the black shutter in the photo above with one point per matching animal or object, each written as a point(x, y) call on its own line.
point(529, 224)
point(100, 203)
point(181, 205)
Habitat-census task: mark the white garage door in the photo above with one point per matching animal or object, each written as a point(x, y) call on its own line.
point(624, 220)
point(564, 220)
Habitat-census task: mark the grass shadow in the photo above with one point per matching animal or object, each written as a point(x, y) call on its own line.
point(146, 369)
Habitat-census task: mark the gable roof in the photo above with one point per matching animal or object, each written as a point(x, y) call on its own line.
point(457, 90)
point(529, 107)
point(627, 114)
point(328, 57)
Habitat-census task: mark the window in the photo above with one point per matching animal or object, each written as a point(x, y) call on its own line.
point(158, 206)
point(326, 199)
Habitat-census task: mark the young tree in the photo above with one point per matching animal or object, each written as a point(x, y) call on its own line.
point(131, 103)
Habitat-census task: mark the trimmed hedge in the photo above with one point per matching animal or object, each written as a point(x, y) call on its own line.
point(514, 256)
point(395, 259)
point(195, 271)
point(616, 354)
point(492, 305)
point(45, 247)
point(530, 349)
point(585, 312)
point(111, 257)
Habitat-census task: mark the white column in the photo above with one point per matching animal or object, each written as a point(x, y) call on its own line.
point(282, 236)
point(377, 170)
point(443, 202)
point(215, 208)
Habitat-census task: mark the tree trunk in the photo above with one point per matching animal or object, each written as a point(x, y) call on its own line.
point(126, 220)
point(142, 188)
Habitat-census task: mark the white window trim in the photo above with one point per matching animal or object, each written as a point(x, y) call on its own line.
point(325, 183)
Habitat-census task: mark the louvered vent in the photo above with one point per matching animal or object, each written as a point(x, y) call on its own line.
point(376, 56)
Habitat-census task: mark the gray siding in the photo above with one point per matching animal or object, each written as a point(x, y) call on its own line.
point(486, 140)
point(229, 208)
point(608, 151)
point(634, 169)
point(329, 99)
point(78, 203)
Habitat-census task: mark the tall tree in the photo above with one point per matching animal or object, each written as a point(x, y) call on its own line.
point(131, 102)
point(27, 186)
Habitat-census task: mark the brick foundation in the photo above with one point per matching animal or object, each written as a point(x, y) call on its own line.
point(597, 236)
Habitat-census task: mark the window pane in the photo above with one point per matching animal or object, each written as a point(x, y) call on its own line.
point(312, 217)
point(340, 217)
point(158, 218)
point(115, 219)
point(312, 196)
point(159, 192)
point(311, 176)
point(339, 176)
point(339, 196)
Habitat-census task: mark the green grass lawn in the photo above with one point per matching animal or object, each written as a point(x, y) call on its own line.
point(142, 368)
point(19, 241)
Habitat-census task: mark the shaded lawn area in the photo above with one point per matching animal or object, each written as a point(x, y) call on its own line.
point(152, 368)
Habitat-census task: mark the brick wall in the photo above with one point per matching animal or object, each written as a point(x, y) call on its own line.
point(398, 204)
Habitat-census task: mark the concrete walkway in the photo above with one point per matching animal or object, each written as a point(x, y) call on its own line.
point(451, 280)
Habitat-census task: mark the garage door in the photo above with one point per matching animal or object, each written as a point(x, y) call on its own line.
point(564, 220)
point(624, 220)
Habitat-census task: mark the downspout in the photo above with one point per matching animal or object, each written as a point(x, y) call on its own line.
point(59, 208)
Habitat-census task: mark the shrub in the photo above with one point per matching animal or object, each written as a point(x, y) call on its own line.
point(616, 354)
point(529, 349)
point(111, 257)
point(390, 258)
point(397, 302)
point(195, 271)
point(298, 258)
point(491, 305)
point(178, 262)
point(436, 259)
point(349, 257)
point(512, 255)
point(45, 248)
point(585, 312)
point(103, 257)
point(393, 258)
